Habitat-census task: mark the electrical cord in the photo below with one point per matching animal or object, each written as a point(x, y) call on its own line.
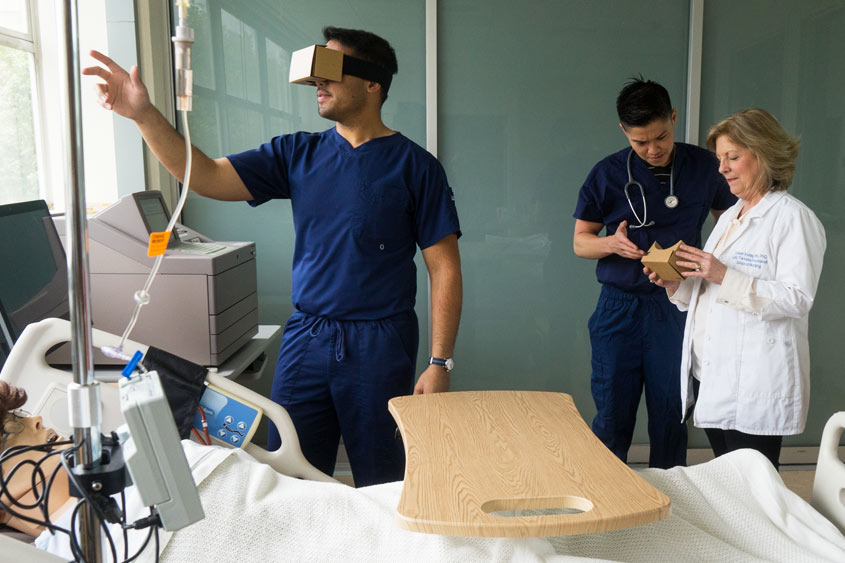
point(36, 477)
point(125, 531)
point(153, 521)
point(144, 546)
point(40, 488)
point(75, 548)
point(49, 488)
point(39, 485)
point(42, 484)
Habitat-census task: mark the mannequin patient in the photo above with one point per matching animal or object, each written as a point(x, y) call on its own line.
point(21, 491)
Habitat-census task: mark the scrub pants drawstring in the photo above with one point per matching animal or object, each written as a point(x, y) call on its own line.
point(317, 328)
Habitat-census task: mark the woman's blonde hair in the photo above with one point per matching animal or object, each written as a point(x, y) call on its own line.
point(762, 134)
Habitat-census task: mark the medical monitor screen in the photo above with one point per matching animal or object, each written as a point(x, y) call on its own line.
point(151, 206)
point(33, 271)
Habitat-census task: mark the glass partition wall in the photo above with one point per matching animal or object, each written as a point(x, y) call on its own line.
point(526, 98)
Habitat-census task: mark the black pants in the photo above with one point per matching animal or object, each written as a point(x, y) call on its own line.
point(724, 441)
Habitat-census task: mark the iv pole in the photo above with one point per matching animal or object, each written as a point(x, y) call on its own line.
point(84, 394)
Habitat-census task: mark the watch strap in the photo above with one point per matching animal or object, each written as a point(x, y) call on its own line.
point(446, 363)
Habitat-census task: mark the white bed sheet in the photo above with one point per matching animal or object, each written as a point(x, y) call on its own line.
point(734, 508)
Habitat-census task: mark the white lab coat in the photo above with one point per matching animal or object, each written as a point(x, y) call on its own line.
point(755, 363)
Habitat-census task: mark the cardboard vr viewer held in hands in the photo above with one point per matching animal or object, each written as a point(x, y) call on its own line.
point(318, 62)
point(663, 262)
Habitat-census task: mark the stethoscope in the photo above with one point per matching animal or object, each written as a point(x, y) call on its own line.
point(671, 200)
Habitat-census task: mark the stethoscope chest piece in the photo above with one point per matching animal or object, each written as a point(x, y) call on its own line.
point(671, 201)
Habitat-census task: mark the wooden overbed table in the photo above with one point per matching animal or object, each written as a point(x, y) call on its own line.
point(477, 463)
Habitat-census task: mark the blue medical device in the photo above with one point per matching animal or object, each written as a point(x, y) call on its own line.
point(231, 420)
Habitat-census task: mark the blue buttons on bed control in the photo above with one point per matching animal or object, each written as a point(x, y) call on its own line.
point(231, 420)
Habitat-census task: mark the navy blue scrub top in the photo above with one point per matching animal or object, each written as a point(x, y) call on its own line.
point(698, 185)
point(358, 215)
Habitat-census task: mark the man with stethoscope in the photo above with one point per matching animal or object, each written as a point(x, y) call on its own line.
point(660, 191)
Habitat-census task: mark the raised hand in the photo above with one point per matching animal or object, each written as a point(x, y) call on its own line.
point(122, 92)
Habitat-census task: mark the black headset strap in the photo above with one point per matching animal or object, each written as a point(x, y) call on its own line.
point(367, 71)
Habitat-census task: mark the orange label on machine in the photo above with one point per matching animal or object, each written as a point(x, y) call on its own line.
point(158, 243)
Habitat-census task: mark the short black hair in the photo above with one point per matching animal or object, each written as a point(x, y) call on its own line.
point(642, 102)
point(367, 46)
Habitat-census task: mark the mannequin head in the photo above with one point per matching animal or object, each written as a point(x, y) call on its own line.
point(19, 430)
point(25, 431)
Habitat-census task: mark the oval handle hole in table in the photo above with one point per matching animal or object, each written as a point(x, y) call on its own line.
point(512, 508)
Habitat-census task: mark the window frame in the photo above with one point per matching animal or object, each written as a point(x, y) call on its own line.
point(28, 41)
point(128, 29)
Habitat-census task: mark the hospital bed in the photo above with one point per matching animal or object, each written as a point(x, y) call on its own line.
point(732, 508)
point(46, 388)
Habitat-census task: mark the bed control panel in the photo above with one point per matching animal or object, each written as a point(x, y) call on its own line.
point(230, 420)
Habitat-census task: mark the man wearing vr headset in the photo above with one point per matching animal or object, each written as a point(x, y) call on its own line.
point(363, 197)
point(655, 190)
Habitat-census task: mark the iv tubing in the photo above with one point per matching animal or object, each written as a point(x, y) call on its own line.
point(142, 297)
point(182, 45)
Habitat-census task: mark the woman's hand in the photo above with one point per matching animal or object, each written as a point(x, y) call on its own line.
point(702, 264)
point(670, 286)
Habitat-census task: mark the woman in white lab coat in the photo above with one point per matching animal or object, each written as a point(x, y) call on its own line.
point(746, 362)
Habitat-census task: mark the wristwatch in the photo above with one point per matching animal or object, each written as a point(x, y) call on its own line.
point(447, 363)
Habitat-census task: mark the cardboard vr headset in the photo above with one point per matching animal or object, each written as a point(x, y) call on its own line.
point(317, 62)
point(663, 262)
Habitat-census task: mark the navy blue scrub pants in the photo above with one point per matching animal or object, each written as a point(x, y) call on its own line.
point(334, 378)
point(636, 342)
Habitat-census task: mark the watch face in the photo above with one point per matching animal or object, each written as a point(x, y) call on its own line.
point(448, 363)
